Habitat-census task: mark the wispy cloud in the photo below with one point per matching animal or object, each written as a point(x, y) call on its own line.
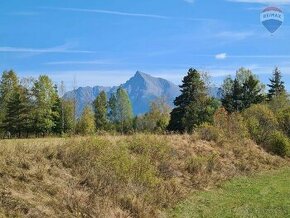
point(259, 56)
point(59, 49)
point(23, 13)
point(93, 62)
point(232, 35)
point(129, 14)
point(111, 12)
point(278, 2)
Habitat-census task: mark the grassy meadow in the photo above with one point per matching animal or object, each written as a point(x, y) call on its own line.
point(141, 175)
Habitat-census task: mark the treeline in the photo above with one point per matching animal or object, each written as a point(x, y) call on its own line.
point(33, 107)
point(30, 106)
point(244, 111)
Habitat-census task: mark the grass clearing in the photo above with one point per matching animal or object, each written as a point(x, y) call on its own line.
point(264, 195)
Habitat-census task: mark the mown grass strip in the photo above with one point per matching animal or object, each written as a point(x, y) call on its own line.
point(265, 195)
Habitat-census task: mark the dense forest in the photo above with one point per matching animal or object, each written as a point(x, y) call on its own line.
point(35, 107)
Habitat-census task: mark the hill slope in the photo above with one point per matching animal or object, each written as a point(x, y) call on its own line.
point(111, 176)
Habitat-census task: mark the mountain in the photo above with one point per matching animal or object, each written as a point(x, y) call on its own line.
point(142, 89)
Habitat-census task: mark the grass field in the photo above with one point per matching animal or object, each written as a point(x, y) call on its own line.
point(265, 195)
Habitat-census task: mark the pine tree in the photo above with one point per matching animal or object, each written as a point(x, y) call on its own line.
point(100, 106)
point(276, 85)
point(193, 106)
point(86, 123)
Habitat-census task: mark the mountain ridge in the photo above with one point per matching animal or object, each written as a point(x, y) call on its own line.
point(142, 88)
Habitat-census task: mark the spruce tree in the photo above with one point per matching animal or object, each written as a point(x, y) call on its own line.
point(113, 109)
point(8, 84)
point(276, 85)
point(252, 93)
point(193, 106)
point(100, 106)
point(17, 119)
point(242, 92)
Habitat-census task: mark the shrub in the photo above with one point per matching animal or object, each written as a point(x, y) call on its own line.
point(279, 144)
point(284, 121)
point(231, 126)
point(209, 133)
point(261, 122)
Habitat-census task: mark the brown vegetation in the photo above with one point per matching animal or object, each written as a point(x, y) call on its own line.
point(117, 176)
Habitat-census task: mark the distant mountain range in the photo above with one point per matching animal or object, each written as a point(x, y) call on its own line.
point(142, 89)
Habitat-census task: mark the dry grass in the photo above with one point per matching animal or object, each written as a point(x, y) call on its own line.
point(117, 176)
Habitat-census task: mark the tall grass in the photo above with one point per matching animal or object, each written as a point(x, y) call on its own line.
point(116, 176)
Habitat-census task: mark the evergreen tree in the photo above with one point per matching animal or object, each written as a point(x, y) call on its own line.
point(12, 120)
point(237, 96)
point(276, 85)
point(113, 109)
point(242, 92)
point(100, 106)
point(8, 84)
point(86, 123)
point(193, 106)
point(252, 93)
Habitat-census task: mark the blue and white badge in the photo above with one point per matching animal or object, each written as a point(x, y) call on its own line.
point(272, 18)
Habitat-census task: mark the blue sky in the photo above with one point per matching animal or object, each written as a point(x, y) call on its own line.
point(104, 42)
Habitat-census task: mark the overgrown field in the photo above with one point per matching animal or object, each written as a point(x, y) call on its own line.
point(265, 195)
point(117, 176)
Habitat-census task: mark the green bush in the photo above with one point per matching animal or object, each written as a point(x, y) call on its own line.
point(230, 125)
point(261, 122)
point(279, 144)
point(284, 121)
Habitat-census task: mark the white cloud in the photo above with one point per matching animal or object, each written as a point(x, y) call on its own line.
point(221, 56)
